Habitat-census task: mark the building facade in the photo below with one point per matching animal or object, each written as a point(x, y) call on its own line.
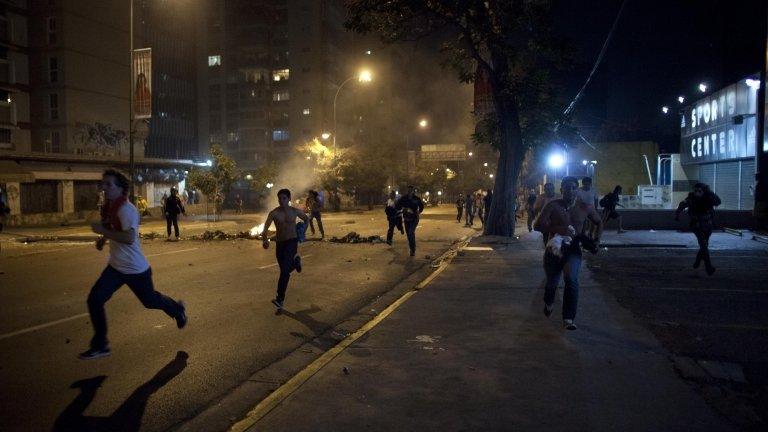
point(274, 67)
point(66, 82)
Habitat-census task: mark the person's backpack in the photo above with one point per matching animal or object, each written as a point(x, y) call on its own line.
point(604, 201)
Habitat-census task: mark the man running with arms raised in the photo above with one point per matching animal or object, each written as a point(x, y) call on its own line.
point(127, 264)
point(284, 216)
point(564, 218)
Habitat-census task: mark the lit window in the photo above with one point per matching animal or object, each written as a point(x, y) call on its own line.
point(214, 60)
point(279, 135)
point(306, 111)
point(280, 96)
point(281, 74)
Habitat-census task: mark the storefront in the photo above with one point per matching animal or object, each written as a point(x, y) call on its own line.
point(718, 139)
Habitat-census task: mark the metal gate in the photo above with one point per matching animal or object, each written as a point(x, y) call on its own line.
point(727, 184)
point(747, 182)
point(41, 196)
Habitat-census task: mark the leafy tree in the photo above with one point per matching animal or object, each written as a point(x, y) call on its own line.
point(262, 175)
point(365, 172)
point(215, 181)
point(511, 42)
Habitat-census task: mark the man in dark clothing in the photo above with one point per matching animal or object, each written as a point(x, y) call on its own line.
point(469, 211)
point(459, 207)
point(411, 206)
point(487, 200)
point(314, 207)
point(609, 203)
point(701, 205)
point(173, 207)
point(529, 203)
point(394, 217)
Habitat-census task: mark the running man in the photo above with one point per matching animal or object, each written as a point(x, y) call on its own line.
point(315, 206)
point(609, 204)
point(459, 207)
point(701, 205)
point(529, 203)
point(411, 206)
point(287, 242)
point(561, 217)
point(127, 264)
point(394, 217)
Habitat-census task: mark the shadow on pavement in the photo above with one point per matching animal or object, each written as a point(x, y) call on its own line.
point(127, 417)
point(304, 316)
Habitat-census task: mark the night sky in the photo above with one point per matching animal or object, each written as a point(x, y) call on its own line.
point(661, 49)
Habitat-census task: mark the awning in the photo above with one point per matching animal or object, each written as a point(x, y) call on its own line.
point(11, 171)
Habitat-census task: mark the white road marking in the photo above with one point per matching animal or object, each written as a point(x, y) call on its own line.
point(478, 248)
point(274, 264)
point(172, 252)
point(42, 326)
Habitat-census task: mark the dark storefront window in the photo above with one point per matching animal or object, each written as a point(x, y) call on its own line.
point(41, 196)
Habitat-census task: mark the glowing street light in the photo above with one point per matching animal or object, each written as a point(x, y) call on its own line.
point(269, 185)
point(325, 135)
point(470, 154)
point(665, 109)
point(485, 164)
point(702, 88)
point(556, 160)
point(681, 99)
point(439, 193)
point(490, 175)
point(364, 76)
point(423, 123)
point(209, 162)
point(249, 177)
point(753, 83)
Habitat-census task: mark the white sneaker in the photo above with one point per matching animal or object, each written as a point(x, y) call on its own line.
point(569, 324)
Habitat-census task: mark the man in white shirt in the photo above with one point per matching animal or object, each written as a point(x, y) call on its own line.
point(126, 266)
point(588, 195)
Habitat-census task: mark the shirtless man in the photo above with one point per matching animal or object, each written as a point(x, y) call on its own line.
point(562, 216)
point(541, 201)
point(284, 216)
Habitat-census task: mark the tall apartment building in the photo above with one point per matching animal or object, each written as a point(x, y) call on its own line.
point(274, 68)
point(64, 99)
point(14, 77)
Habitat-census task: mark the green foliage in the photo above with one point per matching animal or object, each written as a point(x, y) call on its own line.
point(365, 171)
point(216, 180)
point(262, 175)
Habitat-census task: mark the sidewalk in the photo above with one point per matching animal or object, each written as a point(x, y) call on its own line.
point(473, 351)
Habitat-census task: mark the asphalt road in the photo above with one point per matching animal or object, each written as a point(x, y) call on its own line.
point(157, 375)
point(717, 319)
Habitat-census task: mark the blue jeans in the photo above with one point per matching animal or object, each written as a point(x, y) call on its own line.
point(285, 252)
point(569, 266)
point(110, 281)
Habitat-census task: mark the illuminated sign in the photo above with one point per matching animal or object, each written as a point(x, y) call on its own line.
point(720, 127)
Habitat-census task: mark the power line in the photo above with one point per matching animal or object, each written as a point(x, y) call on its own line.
point(597, 62)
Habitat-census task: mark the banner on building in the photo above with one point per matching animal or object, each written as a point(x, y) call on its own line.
point(142, 83)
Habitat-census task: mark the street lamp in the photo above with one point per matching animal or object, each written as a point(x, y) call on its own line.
point(325, 135)
point(703, 88)
point(249, 177)
point(364, 77)
point(681, 99)
point(665, 109)
point(469, 154)
point(423, 123)
point(556, 160)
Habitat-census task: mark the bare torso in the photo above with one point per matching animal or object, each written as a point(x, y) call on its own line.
point(285, 222)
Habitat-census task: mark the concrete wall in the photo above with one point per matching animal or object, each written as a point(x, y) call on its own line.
point(618, 163)
point(665, 220)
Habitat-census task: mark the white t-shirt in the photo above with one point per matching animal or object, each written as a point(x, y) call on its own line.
point(587, 197)
point(128, 258)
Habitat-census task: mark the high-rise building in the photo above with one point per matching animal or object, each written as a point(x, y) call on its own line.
point(274, 68)
point(65, 84)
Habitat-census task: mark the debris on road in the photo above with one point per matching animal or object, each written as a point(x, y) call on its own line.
point(346, 370)
point(149, 235)
point(353, 237)
point(221, 235)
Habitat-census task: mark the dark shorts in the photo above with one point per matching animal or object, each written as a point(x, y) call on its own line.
point(612, 214)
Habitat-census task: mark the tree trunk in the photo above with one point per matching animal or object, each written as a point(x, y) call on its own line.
point(501, 217)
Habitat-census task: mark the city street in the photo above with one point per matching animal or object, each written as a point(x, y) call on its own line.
point(157, 375)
